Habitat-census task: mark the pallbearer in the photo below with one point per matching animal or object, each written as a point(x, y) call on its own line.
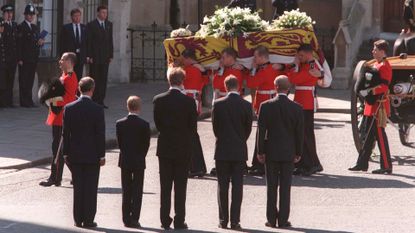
point(196, 78)
point(305, 74)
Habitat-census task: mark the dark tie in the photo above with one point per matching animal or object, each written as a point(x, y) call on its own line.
point(103, 26)
point(77, 34)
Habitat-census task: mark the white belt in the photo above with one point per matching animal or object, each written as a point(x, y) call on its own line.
point(269, 92)
point(304, 88)
point(191, 91)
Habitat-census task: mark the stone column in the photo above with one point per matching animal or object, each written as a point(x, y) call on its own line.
point(119, 15)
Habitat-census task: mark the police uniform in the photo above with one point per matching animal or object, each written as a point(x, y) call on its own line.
point(305, 95)
point(193, 84)
point(28, 52)
point(219, 80)
point(55, 119)
point(263, 81)
point(2, 71)
point(10, 44)
point(375, 119)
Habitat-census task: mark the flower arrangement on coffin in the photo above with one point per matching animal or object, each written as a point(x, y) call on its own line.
point(181, 32)
point(293, 19)
point(232, 22)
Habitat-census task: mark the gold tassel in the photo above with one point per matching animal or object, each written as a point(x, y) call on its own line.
point(382, 116)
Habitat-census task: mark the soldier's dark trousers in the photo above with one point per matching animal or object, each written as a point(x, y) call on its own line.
point(99, 72)
point(26, 78)
point(10, 71)
point(378, 134)
point(56, 169)
point(309, 158)
point(2, 86)
point(197, 163)
point(78, 68)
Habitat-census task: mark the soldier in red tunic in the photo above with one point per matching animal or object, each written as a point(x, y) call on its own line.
point(376, 114)
point(262, 79)
point(304, 75)
point(55, 117)
point(196, 78)
point(228, 67)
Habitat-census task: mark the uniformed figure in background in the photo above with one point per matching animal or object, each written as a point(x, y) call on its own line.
point(10, 49)
point(28, 47)
point(408, 15)
point(283, 5)
point(251, 4)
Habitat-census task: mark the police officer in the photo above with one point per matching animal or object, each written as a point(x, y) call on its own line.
point(251, 4)
point(9, 40)
point(28, 44)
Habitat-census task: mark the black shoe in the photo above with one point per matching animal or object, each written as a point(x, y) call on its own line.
point(132, 225)
point(181, 226)
point(236, 227)
point(382, 171)
point(58, 183)
point(268, 224)
point(320, 168)
point(298, 172)
point(285, 225)
point(198, 174)
point(256, 172)
point(302, 172)
point(47, 183)
point(358, 168)
point(71, 182)
point(77, 224)
point(90, 225)
point(213, 172)
point(223, 225)
point(165, 227)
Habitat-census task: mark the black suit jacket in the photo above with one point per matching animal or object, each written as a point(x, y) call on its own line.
point(69, 44)
point(251, 4)
point(10, 41)
point(280, 129)
point(133, 135)
point(84, 132)
point(27, 48)
point(232, 125)
point(175, 116)
point(100, 43)
point(284, 5)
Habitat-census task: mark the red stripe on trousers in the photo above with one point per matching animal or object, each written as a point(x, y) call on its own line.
point(382, 147)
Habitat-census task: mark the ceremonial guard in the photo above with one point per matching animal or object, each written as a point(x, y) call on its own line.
point(227, 67)
point(28, 47)
point(305, 74)
point(376, 114)
point(55, 117)
point(193, 84)
point(9, 38)
point(262, 79)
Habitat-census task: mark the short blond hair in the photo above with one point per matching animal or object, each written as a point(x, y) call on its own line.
point(282, 83)
point(134, 103)
point(175, 76)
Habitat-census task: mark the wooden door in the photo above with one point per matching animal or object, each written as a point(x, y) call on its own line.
point(393, 15)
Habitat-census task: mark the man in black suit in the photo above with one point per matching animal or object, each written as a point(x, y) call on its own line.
point(283, 5)
point(232, 125)
point(84, 151)
point(251, 4)
point(73, 39)
point(280, 144)
point(100, 52)
point(175, 116)
point(28, 47)
point(9, 37)
point(133, 135)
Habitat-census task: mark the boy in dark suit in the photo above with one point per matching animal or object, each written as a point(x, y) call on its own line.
point(232, 125)
point(133, 135)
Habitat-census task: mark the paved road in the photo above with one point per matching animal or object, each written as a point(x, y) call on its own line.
point(334, 201)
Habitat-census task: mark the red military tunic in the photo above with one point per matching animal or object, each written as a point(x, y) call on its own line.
point(385, 73)
point(70, 82)
point(219, 80)
point(304, 86)
point(263, 81)
point(194, 83)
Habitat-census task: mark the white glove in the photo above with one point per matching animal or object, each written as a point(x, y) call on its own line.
point(365, 92)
